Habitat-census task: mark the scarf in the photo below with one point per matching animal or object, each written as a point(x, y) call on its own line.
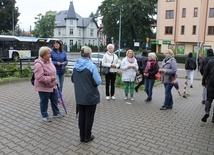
point(131, 60)
point(150, 63)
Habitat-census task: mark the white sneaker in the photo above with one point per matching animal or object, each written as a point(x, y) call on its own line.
point(46, 119)
point(107, 97)
point(125, 98)
point(113, 98)
point(132, 99)
point(58, 116)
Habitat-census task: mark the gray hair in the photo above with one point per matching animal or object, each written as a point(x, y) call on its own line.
point(44, 50)
point(110, 45)
point(152, 55)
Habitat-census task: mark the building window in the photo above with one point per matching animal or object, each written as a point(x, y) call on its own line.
point(211, 12)
point(182, 29)
point(71, 22)
point(59, 32)
point(92, 32)
point(170, 0)
point(168, 29)
point(71, 32)
point(80, 32)
point(195, 12)
point(210, 30)
point(169, 14)
point(71, 42)
point(184, 12)
point(79, 43)
point(89, 42)
point(194, 29)
point(93, 42)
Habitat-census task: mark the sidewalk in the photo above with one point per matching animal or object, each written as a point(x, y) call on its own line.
point(120, 128)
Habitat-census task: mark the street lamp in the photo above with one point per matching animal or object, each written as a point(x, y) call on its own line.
point(199, 43)
point(119, 27)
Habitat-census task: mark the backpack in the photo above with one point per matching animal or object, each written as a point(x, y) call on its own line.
point(143, 64)
point(192, 64)
point(32, 79)
point(33, 76)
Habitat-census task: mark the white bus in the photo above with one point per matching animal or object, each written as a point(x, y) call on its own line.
point(13, 47)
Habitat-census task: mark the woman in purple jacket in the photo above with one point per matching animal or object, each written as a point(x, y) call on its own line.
point(45, 83)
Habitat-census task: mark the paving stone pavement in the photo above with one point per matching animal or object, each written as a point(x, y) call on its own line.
point(138, 128)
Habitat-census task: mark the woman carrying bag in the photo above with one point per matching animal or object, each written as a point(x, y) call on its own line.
point(110, 60)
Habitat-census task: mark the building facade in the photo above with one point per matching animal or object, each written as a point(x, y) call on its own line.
point(185, 26)
point(72, 29)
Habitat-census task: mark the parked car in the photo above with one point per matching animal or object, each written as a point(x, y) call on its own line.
point(97, 58)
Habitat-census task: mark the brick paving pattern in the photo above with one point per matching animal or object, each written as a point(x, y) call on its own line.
point(137, 128)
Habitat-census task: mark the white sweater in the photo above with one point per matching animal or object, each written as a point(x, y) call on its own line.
point(128, 74)
point(107, 61)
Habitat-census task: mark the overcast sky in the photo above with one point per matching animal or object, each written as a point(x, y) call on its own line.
point(31, 8)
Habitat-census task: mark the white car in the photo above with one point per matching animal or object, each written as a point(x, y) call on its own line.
point(97, 58)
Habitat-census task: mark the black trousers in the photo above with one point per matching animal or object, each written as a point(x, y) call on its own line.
point(86, 120)
point(110, 77)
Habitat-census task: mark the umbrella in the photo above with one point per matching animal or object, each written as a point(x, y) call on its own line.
point(60, 95)
point(176, 85)
point(185, 86)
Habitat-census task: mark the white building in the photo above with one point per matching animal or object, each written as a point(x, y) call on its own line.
point(71, 28)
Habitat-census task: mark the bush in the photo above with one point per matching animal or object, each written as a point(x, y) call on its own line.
point(179, 58)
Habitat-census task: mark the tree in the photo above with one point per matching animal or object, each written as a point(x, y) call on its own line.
point(137, 17)
point(45, 25)
point(9, 15)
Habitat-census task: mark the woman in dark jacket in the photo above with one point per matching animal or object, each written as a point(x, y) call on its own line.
point(149, 74)
point(190, 66)
point(208, 82)
point(59, 59)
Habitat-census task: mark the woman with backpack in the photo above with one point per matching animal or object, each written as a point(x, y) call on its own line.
point(190, 66)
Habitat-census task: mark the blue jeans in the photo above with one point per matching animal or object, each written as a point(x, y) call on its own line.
point(168, 95)
point(149, 83)
point(44, 98)
point(60, 80)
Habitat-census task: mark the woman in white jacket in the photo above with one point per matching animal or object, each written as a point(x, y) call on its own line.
point(129, 67)
point(111, 60)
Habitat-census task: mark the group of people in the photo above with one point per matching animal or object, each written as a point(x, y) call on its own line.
point(49, 70)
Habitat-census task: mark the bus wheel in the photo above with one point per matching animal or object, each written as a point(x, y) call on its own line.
point(15, 56)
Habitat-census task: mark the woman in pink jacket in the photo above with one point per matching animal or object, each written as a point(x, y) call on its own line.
point(45, 83)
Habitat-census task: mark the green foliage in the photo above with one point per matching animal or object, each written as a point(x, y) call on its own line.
point(8, 70)
point(136, 19)
point(179, 58)
point(119, 82)
point(7, 12)
point(45, 25)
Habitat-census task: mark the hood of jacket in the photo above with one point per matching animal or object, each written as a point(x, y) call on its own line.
point(209, 52)
point(83, 63)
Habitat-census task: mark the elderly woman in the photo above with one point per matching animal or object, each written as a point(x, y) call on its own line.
point(149, 74)
point(110, 59)
point(45, 83)
point(129, 67)
point(168, 70)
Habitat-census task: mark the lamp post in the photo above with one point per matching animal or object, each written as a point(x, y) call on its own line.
point(199, 43)
point(120, 9)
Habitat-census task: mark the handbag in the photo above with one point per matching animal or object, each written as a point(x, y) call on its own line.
point(106, 70)
point(157, 76)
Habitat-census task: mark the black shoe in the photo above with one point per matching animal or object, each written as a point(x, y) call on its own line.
point(148, 100)
point(204, 119)
point(163, 108)
point(213, 119)
point(136, 89)
point(169, 108)
point(191, 86)
point(203, 102)
point(82, 140)
point(90, 139)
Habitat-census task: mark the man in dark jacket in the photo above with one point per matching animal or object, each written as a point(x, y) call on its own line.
point(142, 65)
point(202, 68)
point(190, 66)
point(208, 82)
point(86, 79)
